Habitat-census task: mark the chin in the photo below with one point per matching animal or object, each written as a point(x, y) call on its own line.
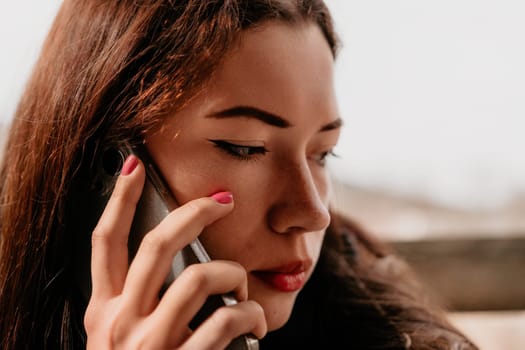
point(277, 321)
point(277, 309)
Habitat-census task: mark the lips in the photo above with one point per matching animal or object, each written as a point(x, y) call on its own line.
point(286, 278)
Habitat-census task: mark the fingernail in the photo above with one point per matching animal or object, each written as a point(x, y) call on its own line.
point(129, 165)
point(223, 197)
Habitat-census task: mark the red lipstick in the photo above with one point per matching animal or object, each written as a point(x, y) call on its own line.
point(288, 278)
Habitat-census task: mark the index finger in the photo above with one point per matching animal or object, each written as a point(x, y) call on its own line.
point(109, 256)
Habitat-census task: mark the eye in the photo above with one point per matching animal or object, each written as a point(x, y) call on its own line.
point(243, 152)
point(321, 158)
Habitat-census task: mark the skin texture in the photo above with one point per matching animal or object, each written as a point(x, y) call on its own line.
point(281, 197)
point(266, 242)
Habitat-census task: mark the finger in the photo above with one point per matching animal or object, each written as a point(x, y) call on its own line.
point(189, 291)
point(109, 257)
point(153, 260)
point(226, 324)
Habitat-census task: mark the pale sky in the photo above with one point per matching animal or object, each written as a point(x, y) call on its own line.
point(432, 92)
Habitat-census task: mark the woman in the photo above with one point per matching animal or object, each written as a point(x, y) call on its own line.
point(234, 101)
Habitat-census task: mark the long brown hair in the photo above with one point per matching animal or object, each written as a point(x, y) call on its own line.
point(108, 70)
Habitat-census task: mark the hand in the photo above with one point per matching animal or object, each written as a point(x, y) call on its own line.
point(125, 311)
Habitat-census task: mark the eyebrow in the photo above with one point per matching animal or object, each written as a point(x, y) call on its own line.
point(266, 117)
point(252, 112)
point(336, 124)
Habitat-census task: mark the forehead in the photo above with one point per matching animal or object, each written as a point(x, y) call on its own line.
point(278, 66)
point(279, 50)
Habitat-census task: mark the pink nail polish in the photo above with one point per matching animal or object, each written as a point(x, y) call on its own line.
point(129, 165)
point(223, 197)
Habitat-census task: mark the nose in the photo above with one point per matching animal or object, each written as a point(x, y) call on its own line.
point(300, 201)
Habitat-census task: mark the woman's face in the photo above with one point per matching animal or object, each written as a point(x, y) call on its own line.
point(262, 130)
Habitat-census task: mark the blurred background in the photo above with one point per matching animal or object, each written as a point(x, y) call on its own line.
point(431, 158)
point(431, 155)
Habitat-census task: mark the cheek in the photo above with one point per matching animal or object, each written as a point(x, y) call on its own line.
point(196, 174)
point(242, 232)
point(229, 239)
point(233, 235)
point(193, 178)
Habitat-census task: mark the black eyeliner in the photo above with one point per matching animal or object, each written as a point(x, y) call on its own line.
point(233, 149)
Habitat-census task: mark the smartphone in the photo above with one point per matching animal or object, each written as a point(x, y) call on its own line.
point(155, 203)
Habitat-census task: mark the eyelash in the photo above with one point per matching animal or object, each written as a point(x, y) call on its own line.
point(321, 158)
point(241, 152)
